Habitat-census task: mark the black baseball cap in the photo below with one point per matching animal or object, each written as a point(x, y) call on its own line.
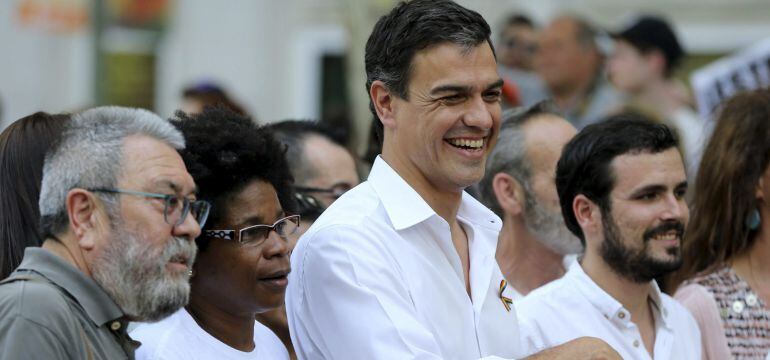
point(652, 32)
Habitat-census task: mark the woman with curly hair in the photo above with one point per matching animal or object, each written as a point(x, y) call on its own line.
point(726, 274)
point(243, 254)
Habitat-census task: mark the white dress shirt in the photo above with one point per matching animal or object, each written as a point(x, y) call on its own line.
point(574, 306)
point(377, 277)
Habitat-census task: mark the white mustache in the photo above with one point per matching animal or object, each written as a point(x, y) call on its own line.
point(180, 247)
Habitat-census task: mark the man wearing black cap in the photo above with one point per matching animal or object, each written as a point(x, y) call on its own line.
point(646, 55)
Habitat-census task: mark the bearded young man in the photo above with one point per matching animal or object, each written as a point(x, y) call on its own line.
point(621, 186)
point(119, 216)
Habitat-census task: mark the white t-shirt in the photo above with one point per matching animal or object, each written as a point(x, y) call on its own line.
point(575, 306)
point(179, 337)
point(377, 277)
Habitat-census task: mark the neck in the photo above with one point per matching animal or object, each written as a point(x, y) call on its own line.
point(235, 330)
point(632, 295)
point(657, 96)
point(277, 322)
point(750, 265)
point(66, 248)
point(761, 247)
point(568, 96)
point(526, 263)
point(445, 202)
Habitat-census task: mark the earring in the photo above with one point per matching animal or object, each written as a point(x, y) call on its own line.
point(753, 220)
point(190, 273)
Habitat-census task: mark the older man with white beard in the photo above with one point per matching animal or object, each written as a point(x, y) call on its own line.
point(119, 216)
point(518, 185)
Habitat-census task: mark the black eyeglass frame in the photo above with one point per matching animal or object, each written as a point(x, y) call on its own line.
point(230, 234)
point(200, 208)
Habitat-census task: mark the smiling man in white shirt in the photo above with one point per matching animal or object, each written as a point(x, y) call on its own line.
point(621, 186)
point(402, 266)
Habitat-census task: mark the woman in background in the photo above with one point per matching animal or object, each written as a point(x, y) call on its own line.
point(726, 274)
point(22, 153)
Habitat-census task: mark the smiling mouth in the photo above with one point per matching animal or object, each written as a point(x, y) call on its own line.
point(669, 236)
point(466, 144)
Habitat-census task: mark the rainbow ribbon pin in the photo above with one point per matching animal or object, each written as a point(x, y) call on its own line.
point(507, 302)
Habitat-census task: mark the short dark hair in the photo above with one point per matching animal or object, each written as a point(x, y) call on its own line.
point(411, 27)
point(584, 165)
point(23, 146)
point(510, 153)
point(650, 33)
point(227, 151)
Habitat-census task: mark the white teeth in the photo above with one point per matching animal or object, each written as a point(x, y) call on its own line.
point(666, 237)
point(475, 144)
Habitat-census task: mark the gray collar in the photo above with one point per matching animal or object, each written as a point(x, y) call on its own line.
point(97, 304)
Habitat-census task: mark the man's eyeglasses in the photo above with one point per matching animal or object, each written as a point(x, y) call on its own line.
point(335, 191)
point(256, 234)
point(175, 207)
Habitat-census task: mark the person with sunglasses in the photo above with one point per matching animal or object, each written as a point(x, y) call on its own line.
point(243, 259)
point(119, 216)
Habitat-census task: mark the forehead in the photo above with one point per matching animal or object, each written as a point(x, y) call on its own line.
point(258, 199)
point(637, 170)
point(625, 46)
point(563, 29)
point(545, 137)
point(152, 165)
point(329, 159)
point(451, 64)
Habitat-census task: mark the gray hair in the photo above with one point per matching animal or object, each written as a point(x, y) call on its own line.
point(89, 155)
point(510, 154)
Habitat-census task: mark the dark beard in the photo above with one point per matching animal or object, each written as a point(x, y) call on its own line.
point(637, 265)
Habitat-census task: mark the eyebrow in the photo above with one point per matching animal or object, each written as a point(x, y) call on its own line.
point(176, 188)
point(647, 189)
point(258, 220)
point(463, 89)
point(657, 188)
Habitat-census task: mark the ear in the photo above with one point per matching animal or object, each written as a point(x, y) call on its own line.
point(382, 99)
point(587, 213)
point(83, 216)
point(509, 193)
point(760, 185)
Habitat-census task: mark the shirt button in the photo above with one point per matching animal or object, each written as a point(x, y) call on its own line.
point(115, 326)
point(622, 315)
point(751, 300)
point(738, 306)
point(636, 343)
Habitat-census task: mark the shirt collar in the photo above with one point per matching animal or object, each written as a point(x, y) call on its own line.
point(607, 305)
point(600, 299)
point(657, 301)
point(97, 304)
point(406, 208)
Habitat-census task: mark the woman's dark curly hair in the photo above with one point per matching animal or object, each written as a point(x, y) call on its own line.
point(226, 151)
